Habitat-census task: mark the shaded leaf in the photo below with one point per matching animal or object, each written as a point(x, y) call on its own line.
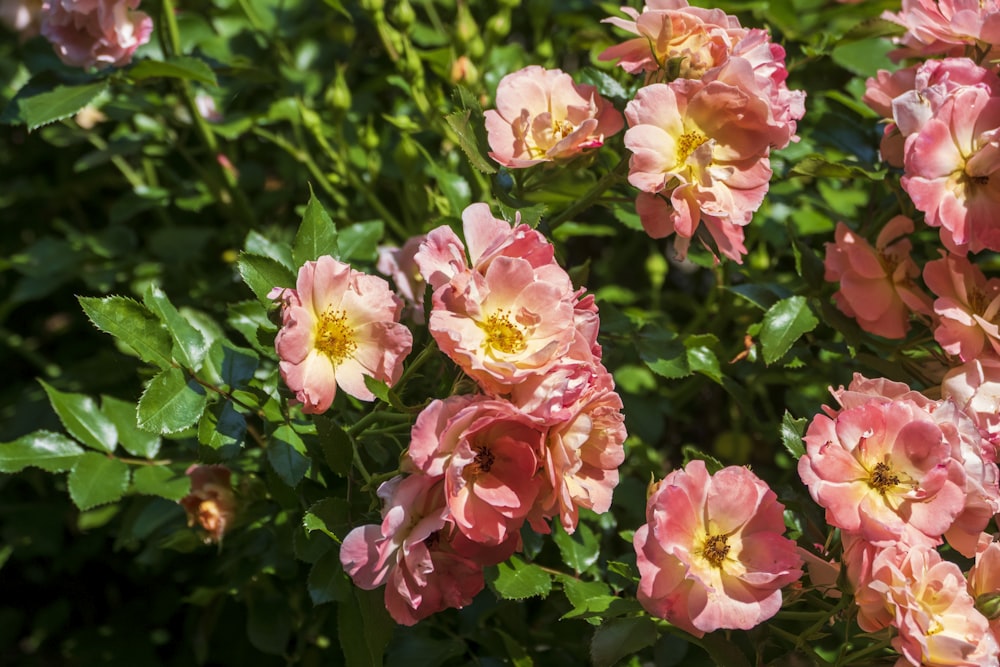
point(222, 425)
point(329, 516)
point(286, 454)
point(327, 580)
point(81, 418)
point(133, 439)
point(183, 67)
point(364, 628)
point(160, 481)
point(61, 102)
point(621, 637)
point(96, 480)
point(359, 241)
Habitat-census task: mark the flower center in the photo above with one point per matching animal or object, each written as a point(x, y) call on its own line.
point(561, 129)
point(502, 334)
point(715, 549)
point(687, 143)
point(481, 463)
point(334, 337)
point(882, 477)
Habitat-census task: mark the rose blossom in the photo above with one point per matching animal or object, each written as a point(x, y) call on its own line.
point(211, 502)
point(946, 26)
point(697, 39)
point(398, 264)
point(712, 554)
point(975, 388)
point(882, 467)
point(935, 615)
point(984, 579)
point(542, 115)
point(876, 284)
point(699, 153)
point(338, 326)
point(487, 451)
point(410, 552)
point(86, 33)
point(949, 167)
point(967, 307)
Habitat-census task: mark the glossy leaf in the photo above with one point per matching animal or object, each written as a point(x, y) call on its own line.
point(47, 107)
point(317, 235)
point(133, 439)
point(517, 580)
point(784, 323)
point(52, 452)
point(263, 274)
point(133, 324)
point(189, 345)
point(96, 480)
point(82, 419)
point(171, 403)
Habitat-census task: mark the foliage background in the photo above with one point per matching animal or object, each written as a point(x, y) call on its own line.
point(357, 105)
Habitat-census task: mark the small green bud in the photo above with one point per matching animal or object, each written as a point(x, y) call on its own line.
point(498, 25)
point(338, 93)
point(989, 605)
point(403, 14)
point(656, 268)
point(368, 136)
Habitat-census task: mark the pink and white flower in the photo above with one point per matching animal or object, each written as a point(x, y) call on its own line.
point(712, 554)
point(542, 115)
point(338, 326)
point(877, 285)
point(88, 33)
point(946, 26)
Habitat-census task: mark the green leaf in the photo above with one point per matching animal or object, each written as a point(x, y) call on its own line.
point(579, 550)
point(329, 516)
point(171, 403)
point(819, 166)
point(468, 124)
point(81, 418)
point(133, 324)
point(160, 481)
point(663, 353)
point(52, 452)
point(222, 425)
point(791, 434)
point(269, 619)
point(725, 653)
point(364, 628)
point(133, 439)
point(621, 637)
point(262, 274)
point(701, 359)
point(183, 67)
point(189, 345)
point(515, 651)
point(96, 480)
point(517, 580)
point(60, 102)
point(286, 454)
point(317, 235)
point(230, 365)
point(327, 580)
point(359, 241)
point(784, 323)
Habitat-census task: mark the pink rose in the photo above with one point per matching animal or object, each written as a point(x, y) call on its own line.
point(411, 552)
point(488, 453)
point(211, 502)
point(542, 115)
point(975, 388)
point(399, 264)
point(712, 554)
point(338, 326)
point(945, 26)
point(967, 305)
point(877, 284)
point(88, 33)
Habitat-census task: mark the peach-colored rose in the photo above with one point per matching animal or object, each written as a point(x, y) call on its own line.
point(975, 388)
point(712, 554)
point(701, 150)
point(211, 502)
point(488, 454)
point(883, 467)
point(542, 115)
point(338, 326)
point(946, 26)
point(88, 33)
point(877, 284)
point(411, 552)
point(967, 307)
point(398, 264)
point(933, 612)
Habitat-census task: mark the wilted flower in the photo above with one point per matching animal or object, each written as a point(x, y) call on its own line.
point(102, 33)
point(211, 502)
point(712, 554)
point(542, 115)
point(338, 326)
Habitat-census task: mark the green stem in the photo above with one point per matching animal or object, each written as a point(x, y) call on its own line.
point(302, 157)
point(588, 200)
point(359, 464)
point(865, 652)
point(799, 643)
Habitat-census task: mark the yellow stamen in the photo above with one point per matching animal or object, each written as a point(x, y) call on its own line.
point(334, 337)
point(687, 143)
point(715, 549)
point(502, 334)
point(882, 477)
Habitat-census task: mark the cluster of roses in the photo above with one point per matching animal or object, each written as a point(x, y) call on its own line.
point(84, 33)
point(713, 105)
point(899, 474)
point(541, 439)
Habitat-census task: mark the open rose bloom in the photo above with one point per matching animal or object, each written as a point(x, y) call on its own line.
point(542, 115)
point(877, 285)
point(712, 554)
point(946, 26)
point(101, 33)
point(966, 307)
point(338, 326)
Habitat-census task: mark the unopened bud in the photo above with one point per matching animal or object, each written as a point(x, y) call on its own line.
point(989, 605)
point(403, 15)
point(338, 94)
